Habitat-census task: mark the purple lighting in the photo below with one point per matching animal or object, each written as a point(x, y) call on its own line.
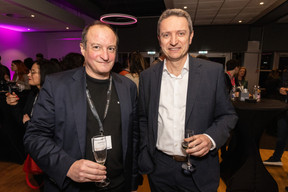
point(103, 19)
point(16, 28)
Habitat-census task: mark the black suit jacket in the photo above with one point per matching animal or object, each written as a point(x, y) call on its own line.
point(56, 135)
point(208, 110)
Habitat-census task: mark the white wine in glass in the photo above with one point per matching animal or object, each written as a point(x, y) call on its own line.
point(99, 148)
point(187, 167)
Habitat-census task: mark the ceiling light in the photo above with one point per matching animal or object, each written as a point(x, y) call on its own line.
point(185, 7)
point(261, 3)
point(118, 19)
point(32, 15)
point(67, 28)
point(240, 21)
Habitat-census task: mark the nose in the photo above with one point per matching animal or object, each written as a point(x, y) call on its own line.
point(105, 55)
point(174, 39)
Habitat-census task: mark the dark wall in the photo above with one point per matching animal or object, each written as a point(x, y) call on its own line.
point(217, 38)
point(229, 38)
point(275, 38)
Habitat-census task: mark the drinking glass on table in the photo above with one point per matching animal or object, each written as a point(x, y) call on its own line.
point(99, 148)
point(188, 167)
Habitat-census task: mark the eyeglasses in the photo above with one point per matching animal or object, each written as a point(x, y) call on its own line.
point(33, 72)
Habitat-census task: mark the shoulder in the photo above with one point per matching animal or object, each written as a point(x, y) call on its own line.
point(206, 63)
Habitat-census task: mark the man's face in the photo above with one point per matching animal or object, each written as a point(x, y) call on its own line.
point(175, 38)
point(100, 51)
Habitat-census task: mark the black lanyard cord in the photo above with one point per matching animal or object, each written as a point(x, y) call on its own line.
point(93, 109)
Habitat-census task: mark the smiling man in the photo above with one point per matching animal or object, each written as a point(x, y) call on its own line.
point(179, 94)
point(74, 106)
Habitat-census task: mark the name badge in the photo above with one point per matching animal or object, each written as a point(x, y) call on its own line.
point(109, 142)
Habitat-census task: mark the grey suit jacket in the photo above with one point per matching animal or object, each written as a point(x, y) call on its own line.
point(56, 135)
point(208, 110)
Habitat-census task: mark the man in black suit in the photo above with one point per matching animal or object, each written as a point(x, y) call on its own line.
point(182, 93)
point(59, 135)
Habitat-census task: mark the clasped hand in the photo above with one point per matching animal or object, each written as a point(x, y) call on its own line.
point(199, 145)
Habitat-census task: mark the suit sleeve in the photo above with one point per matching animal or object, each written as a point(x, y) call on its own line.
point(39, 139)
point(225, 117)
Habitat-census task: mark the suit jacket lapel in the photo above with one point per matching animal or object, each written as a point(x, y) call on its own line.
point(79, 107)
point(193, 86)
point(156, 89)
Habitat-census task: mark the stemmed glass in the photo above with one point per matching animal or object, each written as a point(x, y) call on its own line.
point(99, 148)
point(187, 167)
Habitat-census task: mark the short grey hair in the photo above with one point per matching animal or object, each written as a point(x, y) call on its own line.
point(178, 13)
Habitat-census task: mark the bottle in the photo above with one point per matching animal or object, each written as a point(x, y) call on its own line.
point(258, 98)
point(233, 93)
point(255, 92)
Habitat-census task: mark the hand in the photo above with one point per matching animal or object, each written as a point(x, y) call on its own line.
point(283, 90)
point(12, 99)
point(25, 118)
point(199, 145)
point(86, 171)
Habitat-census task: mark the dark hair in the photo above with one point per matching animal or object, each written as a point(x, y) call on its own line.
point(71, 61)
point(86, 29)
point(40, 55)
point(46, 67)
point(232, 64)
point(136, 62)
point(28, 62)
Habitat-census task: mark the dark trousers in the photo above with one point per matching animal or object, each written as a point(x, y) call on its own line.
point(168, 176)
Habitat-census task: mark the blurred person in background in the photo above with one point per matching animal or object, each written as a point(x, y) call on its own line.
point(20, 75)
point(135, 64)
point(71, 61)
point(240, 78)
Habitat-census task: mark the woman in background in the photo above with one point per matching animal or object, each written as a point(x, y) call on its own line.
point(240, 78)
point(20, 75)
point(136, 62)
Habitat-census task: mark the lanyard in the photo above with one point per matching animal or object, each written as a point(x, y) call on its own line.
point(93, 109)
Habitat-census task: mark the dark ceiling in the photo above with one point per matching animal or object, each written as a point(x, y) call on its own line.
point(96, 8)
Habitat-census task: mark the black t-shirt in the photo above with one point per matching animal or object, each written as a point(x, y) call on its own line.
point(112, 126)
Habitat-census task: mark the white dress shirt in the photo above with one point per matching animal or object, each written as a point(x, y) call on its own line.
point(172, 111)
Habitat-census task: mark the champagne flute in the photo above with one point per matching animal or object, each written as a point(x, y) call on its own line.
point(99, 148)
point(187, 167)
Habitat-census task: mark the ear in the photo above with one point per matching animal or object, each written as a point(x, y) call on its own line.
point(191, 37)
point(82, 48)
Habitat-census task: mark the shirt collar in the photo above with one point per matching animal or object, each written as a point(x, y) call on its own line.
point(184, 69)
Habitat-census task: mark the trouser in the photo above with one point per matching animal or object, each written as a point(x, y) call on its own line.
point(168, 176)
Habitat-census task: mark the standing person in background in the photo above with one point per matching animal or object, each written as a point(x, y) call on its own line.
point(22, 114)
point(20, 75)
point(135, 64)
point(76, 105)
point(240, 78)
point(71, 61)
point(179, 94)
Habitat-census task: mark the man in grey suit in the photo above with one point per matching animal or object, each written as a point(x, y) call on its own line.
point(59, 135)
point(179, 94)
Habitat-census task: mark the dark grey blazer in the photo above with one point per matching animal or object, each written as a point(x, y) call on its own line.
point(56, 135)
point(208, 110)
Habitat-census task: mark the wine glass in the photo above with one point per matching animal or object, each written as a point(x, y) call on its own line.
point(187, 167)
point(99, 148)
